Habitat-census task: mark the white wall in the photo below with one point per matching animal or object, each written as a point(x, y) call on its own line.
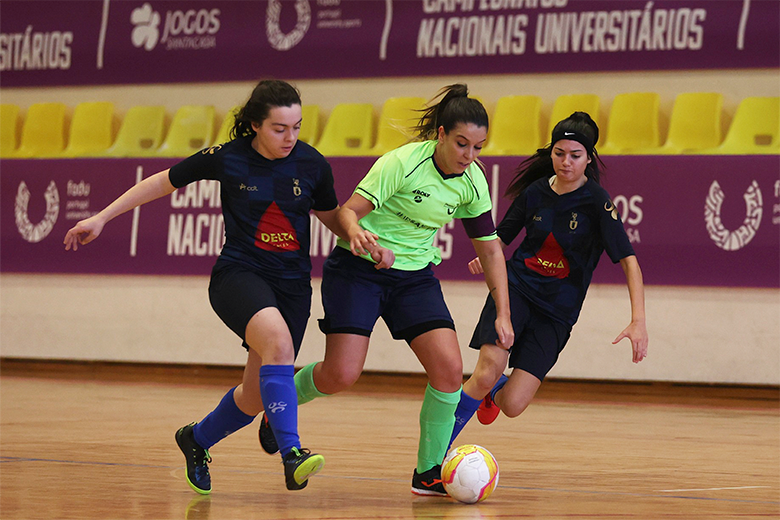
point(696, 334)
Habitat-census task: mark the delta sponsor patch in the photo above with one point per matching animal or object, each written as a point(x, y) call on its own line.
point(549, 260)
point(274, 232)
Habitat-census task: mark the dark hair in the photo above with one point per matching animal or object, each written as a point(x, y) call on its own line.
point(579, 127)
point(269, 93)
point(455, 107)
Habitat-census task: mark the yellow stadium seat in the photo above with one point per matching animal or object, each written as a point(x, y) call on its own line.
point(223, 134)
point(91, 130)
point(398, 116)
point(9, 129)
point(755, 128)
point(43, 132)
point(349, 130)
point(633, 124)
point(310, 125)
point(192, 130)
point(141, 132)
point(515, 128)
point(694, 124)
point(566, 105)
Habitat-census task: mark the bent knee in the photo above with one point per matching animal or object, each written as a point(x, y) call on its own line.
point(513, 409)
point(337, 379)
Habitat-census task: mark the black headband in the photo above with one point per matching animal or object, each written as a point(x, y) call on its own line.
point(581, 138)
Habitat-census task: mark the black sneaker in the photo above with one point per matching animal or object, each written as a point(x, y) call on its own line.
point(428, 483)
point(197, 460)
point(299, 465)
point(267, 437)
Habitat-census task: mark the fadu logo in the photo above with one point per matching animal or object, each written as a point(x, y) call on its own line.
point(146, 22)
point(737, 239)
point(36, 232)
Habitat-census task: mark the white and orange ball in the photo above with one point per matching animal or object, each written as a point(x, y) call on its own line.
point(469, 473)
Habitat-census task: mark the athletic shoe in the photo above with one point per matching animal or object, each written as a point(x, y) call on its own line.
point(488, 409)
point(299, 465)
point(428, 483)
point(267, 437)
point(197, 460)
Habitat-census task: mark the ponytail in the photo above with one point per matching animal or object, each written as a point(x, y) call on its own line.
point(455, 107)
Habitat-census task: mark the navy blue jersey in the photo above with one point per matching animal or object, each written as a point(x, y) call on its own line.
point(265, 203)
point(565, 236)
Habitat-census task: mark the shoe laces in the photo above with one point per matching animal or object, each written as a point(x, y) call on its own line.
point(299, 452)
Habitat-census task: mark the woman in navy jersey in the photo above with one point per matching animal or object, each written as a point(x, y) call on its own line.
point(569, 221)
point(260, 285)
point(406, 197)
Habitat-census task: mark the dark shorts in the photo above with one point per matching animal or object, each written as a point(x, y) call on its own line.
point(539, 339)
point(237, 293)
point(355, 295)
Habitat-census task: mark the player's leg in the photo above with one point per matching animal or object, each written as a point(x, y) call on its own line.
point(490, 367)
point(535, 353)
point(439, 354)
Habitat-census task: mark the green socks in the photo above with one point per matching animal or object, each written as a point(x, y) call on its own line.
point(437, 419)
point(304, 385)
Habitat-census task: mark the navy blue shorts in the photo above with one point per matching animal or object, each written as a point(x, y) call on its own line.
point(355, 295)
point(237, 293)
point(539, 339)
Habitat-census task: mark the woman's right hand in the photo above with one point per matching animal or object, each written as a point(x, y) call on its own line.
point(84, 232)
point(363, 242)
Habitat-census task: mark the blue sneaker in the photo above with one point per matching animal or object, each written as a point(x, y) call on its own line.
point(197, 460)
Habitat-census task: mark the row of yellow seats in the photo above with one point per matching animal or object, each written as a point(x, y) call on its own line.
point(351, 129)
point(92, 129)
point(516, 125)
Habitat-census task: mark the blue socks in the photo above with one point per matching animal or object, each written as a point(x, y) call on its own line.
point(277, 387)
point(224, 420)
point(468, 406)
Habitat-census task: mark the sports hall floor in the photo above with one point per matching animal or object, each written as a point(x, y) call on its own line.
point(96, 441)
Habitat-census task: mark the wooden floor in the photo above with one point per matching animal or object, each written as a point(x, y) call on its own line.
point(99, 444)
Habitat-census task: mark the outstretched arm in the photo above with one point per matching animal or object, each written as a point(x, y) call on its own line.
point(637, 329)
point(149, 189)
point(491, 259)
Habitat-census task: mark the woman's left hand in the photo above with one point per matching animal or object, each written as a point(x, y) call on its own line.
point(383, 257)
point(637, 333)
point(506, 333)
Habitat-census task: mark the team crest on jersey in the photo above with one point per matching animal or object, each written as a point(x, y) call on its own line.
point(297, 187)
point(549, 260)
point(274, 232)
point(573, 221)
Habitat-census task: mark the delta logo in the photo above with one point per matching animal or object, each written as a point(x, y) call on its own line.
point(549, 260)
point(274, 232)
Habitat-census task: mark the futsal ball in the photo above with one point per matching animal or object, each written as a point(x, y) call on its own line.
point(469, 473)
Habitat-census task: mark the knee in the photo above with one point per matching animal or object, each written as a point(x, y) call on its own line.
point(514, 407)
point(336, 378)
point(485, 380)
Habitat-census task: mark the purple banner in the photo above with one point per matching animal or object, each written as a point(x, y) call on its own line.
point(693, 220)
point(90, 42)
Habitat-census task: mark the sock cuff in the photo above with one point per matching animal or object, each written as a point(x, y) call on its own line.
point(277, 370)
point(469, 401)
point(444, 397)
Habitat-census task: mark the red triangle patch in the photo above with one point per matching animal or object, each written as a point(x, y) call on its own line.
point(274, 232)
point(549, 260)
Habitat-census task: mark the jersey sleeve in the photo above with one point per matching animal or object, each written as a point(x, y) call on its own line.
point(480, 198)
point(202, 165)
point(324, 194)
point(514, 220)
point(613, 233)
point(382, 180)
